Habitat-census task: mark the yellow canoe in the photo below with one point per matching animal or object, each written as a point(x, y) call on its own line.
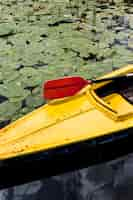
point(92, 126)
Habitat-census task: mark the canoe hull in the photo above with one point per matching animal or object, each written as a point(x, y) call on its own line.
point(67, 134)
point(44, 164)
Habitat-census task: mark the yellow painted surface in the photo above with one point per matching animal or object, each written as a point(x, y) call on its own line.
point(66, 121)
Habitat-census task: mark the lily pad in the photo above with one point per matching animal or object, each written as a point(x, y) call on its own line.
point(10, 75)
point(34, 101)
point(131, 22)
point(13, 90)
point(130, 42)
point(8, 109)
point(6, 29)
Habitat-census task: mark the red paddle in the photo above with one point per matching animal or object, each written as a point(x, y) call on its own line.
point(63, 87)
point(69, 86)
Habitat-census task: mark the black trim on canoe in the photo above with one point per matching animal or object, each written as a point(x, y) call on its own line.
point(44, 164)
point(124, 88)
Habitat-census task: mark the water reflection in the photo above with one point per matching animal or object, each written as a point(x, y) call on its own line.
point(110, 181)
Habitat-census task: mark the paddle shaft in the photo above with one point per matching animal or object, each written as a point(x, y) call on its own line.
point(115, 78)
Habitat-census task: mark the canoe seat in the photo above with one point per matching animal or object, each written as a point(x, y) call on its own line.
point(124, 88)
point(127, 93)
point(119, 104)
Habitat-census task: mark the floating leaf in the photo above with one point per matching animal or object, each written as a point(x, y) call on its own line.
point(12, 90)
point(131, 21)
point(6, 29)
point(34, 101)
point(8, 109)
point(130, 42)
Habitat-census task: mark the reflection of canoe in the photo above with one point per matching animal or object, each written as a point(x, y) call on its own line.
point(94, 125)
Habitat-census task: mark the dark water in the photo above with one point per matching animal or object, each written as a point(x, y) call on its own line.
point(108, 181)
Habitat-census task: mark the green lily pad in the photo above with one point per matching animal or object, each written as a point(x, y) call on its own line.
point(10, 75)
point(34, 101)
point(1, 76)
point(6, 29)
point(8, 109)
point(131, 22)
point(107, 37)
point(130, 42)
point(121, 36)
point(13, 90)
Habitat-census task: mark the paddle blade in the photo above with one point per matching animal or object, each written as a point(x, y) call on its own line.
point(63, 87)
